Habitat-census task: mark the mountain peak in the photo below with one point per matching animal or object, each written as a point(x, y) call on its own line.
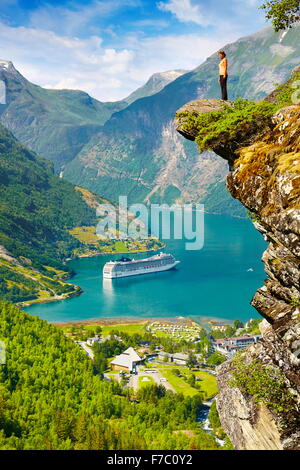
point(155, 84)
point(7, 65)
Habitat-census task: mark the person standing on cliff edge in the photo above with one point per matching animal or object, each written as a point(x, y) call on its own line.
point(223, 68)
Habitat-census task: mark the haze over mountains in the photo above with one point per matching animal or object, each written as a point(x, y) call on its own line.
point(120, 148)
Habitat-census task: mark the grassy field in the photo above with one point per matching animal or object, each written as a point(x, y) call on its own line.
point(130, 328)
point(179, 385)
point(86, 235)
point(207, 381)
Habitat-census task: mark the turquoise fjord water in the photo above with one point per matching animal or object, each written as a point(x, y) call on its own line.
point(216, 282)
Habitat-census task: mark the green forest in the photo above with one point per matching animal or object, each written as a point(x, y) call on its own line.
point(41, 216)
point(51, 397)
point(37, 207)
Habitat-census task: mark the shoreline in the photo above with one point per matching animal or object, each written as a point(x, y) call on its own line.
point(104, 321)
point(80, 291)
point(92, 254)
point(223, 215)
point(57, 298)
point(110, 321)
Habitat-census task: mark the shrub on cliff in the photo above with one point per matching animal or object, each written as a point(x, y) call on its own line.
point(215, 421)
point(264, 384)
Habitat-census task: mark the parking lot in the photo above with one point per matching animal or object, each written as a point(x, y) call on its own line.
point(156, 376)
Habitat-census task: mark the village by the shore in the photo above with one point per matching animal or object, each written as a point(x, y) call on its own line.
point(177, 353)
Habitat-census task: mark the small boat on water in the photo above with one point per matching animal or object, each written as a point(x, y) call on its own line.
point(130, 267)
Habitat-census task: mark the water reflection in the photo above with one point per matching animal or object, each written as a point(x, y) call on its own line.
point(108, 287)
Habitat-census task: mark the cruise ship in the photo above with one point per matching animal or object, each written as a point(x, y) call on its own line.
point(130, 267)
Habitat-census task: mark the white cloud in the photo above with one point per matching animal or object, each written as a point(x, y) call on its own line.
point(64, 46)
point(184, 11)
point(55, 61)
point(107, 73)
point(174, 52)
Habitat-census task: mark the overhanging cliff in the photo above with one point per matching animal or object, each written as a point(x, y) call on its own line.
point(259, 396)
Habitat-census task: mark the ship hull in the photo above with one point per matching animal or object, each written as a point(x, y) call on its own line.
point(140, 271)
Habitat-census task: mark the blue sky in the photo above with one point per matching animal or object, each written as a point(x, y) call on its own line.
point(111, 47)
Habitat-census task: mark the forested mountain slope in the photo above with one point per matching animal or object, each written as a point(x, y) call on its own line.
point(36, 210)
point(52, 399)
point(58, 123)
point(54, 123)
point(44, 220)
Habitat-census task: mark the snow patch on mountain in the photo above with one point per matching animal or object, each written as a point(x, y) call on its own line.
point(282, 51)
point(7, 65)
point(170, 75)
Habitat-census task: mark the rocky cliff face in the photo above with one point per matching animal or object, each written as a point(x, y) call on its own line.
point(265, 177)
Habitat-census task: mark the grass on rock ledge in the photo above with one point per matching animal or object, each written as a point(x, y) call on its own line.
point(232, 120)
point(225, 123)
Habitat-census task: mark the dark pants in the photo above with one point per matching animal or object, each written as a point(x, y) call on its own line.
point(223, 83)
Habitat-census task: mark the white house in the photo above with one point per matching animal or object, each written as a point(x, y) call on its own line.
point(230, 346)
point(180, 358)
point(126, 361)
point(165, 357)
point(93, 340)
